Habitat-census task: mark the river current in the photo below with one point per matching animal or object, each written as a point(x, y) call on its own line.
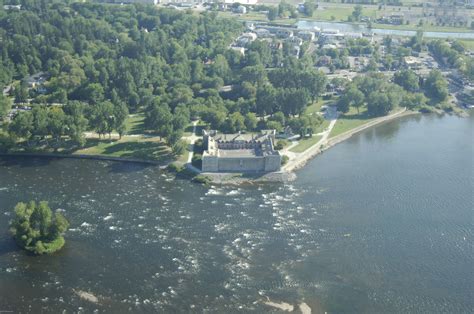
point(382, 223)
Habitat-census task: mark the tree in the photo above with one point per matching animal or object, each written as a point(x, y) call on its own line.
point(102, 118)
point(159, 118)
point(309, 8)
point(356, 97)
point(21, 92)
point(266, 99)
point(357, 13)
point(36, 229)
point(250, 121)
point(343, 104)
point(22, 125)
point(436, 87)
point(407, 79)
point(378, 104)
point(76, 122)
point(235, 122)
point(5, 106)
point(272, 13)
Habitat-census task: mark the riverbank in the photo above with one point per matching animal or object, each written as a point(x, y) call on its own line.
point(91, 157)
point(301, 160)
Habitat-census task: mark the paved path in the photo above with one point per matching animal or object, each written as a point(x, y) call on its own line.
point(331, 115)
point(296, 158)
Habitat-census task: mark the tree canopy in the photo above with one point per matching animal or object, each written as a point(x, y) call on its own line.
point(36, 229)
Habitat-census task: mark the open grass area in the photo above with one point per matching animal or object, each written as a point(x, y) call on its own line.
point(128, 147)
point(306, 143)
point(349, 121)
point(201, 125)
point(424, 28)
point(184, 156)
point(468, 43)
point(134, 123)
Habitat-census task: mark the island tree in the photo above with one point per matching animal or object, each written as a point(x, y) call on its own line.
point(36, 229)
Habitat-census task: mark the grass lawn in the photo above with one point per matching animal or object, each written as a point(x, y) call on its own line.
point(184, 156)
point(425, 28)
point(306, 143)
point(349, 121)
point(134, 123)
point(128, 147)
point(468, 43)
point(201, 125)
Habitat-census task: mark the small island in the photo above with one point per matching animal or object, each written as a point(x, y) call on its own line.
point(36, 229)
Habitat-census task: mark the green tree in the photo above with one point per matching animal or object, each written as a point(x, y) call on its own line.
point(379, 104)
point(436, 87)
point(21, 92)
point(272, 13)
point(356, 97)
point(357, 13)
point(22, 125)
point(407, 79)
point(36, 229)
point(5, 106)
point(250, 121)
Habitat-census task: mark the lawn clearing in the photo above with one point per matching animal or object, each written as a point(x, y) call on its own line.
point(306, 143)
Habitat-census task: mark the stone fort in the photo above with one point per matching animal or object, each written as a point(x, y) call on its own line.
point(240, 152)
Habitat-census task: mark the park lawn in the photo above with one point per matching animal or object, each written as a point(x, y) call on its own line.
point(468, 43)
point(314, 107)
point(135, 123)
point(128, 147)
point(350, 121)
point(201, 125)
point(306, 143)
point(340, 14)
point(183, 158)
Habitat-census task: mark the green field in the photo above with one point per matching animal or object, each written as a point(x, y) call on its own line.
point(424, 28)
point(306, 143)
point(468, 43)
point(134, 124)
point(128, 147)
point(349, 121)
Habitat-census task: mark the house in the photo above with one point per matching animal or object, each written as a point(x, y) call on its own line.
point(241, 153)
point(284, 33)
point(11, 7)
point(306, 35)
point(245, 39)
point(240, 9)
point(296, 41)
point(413, 63)
point(263, 33)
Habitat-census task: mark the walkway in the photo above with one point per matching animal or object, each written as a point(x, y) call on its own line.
point(296, 158)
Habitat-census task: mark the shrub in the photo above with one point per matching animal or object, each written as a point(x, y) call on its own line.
point(202, 179)
point(280, 144)
point(197, 160)
point(284, 160)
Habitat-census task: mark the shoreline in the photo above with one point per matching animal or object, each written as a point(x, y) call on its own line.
point(82, 156)
point(312, 152)
point(286, 174)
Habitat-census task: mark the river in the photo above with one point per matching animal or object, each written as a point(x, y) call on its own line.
point(360, 28)
point(380, 223)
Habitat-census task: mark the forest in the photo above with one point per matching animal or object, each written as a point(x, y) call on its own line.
point(102, 62)
point(86, 67)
